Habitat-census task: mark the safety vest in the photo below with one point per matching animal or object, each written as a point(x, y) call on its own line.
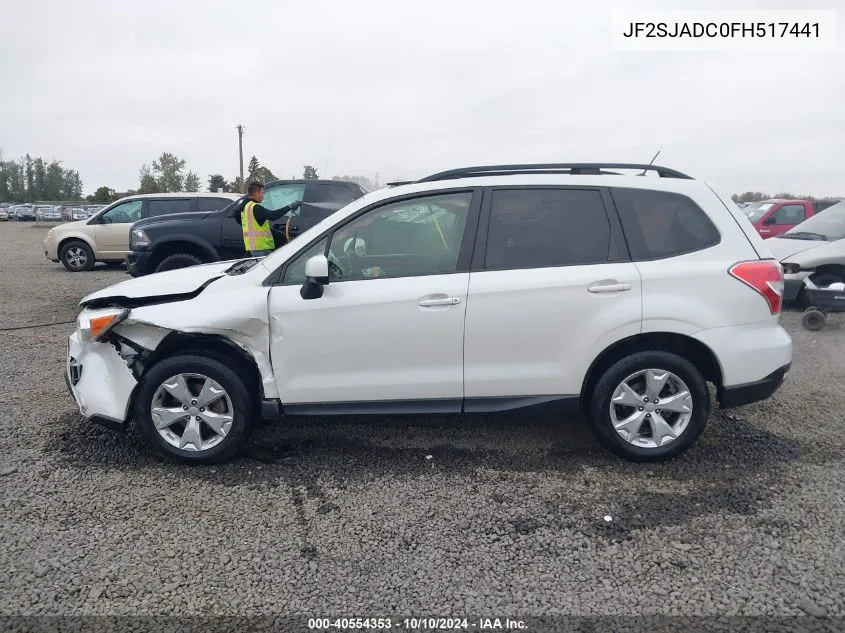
point(257, 237)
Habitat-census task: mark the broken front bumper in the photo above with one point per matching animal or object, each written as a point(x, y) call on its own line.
point(99, 381)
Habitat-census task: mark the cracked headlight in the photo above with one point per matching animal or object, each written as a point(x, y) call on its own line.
point(95, 324)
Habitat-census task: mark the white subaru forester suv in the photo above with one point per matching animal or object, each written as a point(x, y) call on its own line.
point(485, 289)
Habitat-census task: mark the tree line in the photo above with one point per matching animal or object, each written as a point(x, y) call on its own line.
point(31, 179)
point(757, 196)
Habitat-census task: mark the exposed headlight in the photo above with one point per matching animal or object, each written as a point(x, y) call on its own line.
point(139, 238)
point(93, 325)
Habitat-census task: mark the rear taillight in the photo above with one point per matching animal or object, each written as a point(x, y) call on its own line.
point(765, 276)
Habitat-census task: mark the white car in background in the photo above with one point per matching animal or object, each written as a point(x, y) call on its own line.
point(556, 286)
point(814, 249)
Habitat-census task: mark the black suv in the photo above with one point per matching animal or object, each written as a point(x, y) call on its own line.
point(187, 239)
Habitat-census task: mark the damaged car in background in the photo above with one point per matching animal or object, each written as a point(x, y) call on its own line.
point(814, 250)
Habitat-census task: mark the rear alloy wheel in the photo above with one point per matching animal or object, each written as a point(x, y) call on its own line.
point(650, 406)
point(77, 256)
point(179, 260)
point(195, 409)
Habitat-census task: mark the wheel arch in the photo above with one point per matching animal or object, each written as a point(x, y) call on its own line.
point(175, 244)
point(76, 237)
point(696, 352)
point(830, 269)
point(213, 346)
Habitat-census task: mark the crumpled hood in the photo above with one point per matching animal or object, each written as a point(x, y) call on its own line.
point(168, 286)
point(783, 248)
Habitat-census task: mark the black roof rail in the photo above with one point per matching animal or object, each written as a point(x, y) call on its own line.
point(398, 183)
point(550, 168)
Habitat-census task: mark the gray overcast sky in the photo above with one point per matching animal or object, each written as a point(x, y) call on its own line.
point(407, 88)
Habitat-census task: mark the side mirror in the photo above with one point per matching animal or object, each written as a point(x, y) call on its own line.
point(316, 276)
point(769, 220)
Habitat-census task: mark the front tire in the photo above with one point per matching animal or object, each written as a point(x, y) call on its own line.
point(195, 409)
point(649, 407)
point(77, 256)
point(179, 260)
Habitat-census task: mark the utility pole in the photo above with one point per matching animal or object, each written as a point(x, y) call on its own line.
point(241, 154)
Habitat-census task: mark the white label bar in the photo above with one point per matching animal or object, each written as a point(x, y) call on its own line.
point(724, 30)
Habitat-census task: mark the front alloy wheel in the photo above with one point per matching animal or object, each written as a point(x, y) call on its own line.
point(192, 412)
point(195, 408)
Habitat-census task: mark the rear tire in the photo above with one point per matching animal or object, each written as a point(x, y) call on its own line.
point(682, 377)
point(235, 401)
point(179, 260)
point(77, 256)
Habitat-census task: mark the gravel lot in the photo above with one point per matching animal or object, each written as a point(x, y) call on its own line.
point(493, 516)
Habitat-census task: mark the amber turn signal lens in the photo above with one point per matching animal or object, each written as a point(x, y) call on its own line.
point(99, 324)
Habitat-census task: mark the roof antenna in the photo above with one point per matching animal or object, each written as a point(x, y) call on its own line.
point(650, 162)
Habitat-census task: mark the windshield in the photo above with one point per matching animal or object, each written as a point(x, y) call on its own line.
point(829, 223)
point(757, 210)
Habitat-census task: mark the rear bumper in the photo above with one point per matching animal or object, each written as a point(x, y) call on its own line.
point(739, 395)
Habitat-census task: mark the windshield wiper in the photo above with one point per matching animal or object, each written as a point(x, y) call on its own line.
point(806, 235)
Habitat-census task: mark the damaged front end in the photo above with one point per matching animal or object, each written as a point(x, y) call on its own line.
point(119, 337)
point(99, 371)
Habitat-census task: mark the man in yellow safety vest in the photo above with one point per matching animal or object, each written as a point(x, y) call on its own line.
point(255, 221)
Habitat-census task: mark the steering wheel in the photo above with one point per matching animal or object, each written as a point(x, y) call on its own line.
point(334, 268)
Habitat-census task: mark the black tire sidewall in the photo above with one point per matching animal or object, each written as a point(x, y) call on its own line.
point(162, 265)
point(243, 419)
point(599, 405)
point(813, 320)
point(88, 251)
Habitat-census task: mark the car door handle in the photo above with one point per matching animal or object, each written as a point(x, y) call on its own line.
point(609, 288)
point(443, 301)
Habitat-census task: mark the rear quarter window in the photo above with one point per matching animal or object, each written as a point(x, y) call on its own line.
point(661, 224)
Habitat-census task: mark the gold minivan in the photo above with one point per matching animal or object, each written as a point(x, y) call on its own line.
point(104, 237)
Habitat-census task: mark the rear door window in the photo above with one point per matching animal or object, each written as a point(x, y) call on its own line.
point(531, 228)
point(660, 224)
point(156, 207)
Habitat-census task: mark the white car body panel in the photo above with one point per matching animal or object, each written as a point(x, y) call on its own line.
point(536, 332)
point(106, 383)
point(171, 282)
point(809, 253)
point(748, 353)
point(370, 340)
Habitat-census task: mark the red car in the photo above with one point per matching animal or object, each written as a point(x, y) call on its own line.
point(775, 217)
